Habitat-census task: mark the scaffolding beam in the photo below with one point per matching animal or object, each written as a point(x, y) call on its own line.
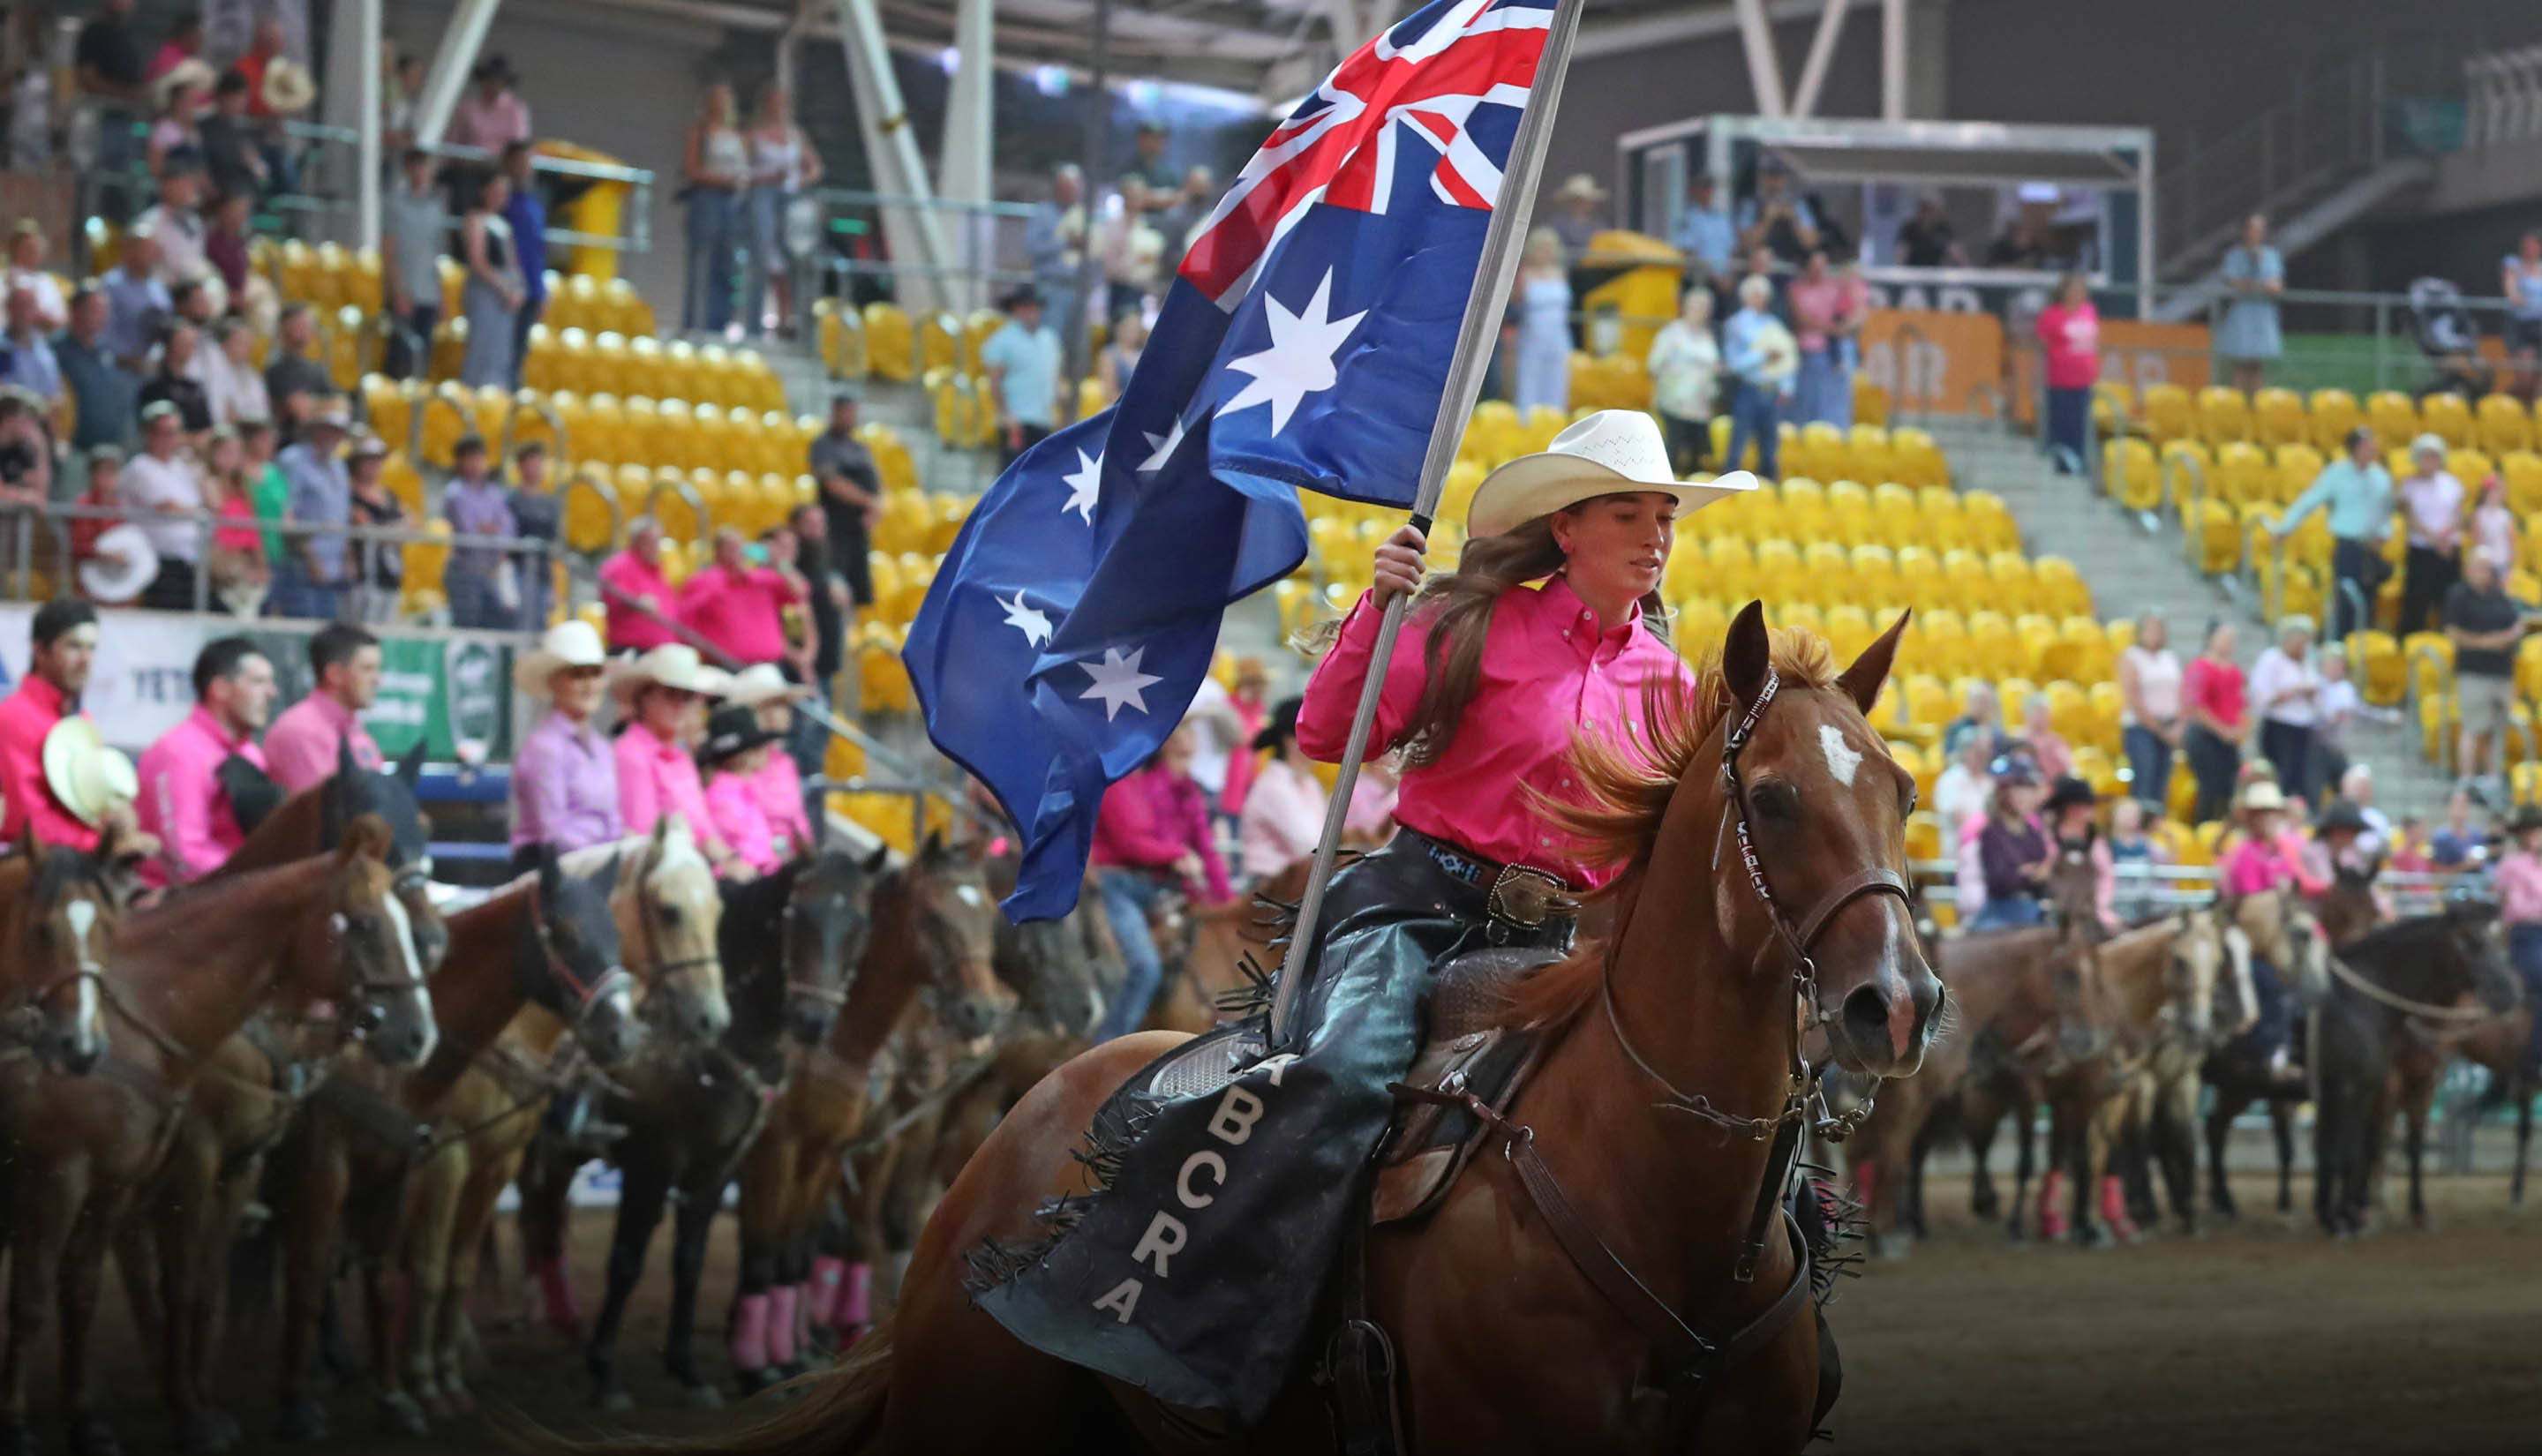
point(456, 56)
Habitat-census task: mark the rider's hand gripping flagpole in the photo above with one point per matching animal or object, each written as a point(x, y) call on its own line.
point(1476, 338)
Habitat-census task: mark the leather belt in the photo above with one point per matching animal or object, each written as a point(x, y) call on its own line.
point(1518, 894)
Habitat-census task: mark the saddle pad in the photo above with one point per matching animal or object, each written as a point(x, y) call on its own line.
point(1203, 1065)
point(1463, 1048)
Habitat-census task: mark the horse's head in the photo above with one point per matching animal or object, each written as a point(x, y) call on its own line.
point(829, 922)
point(2074, 893)
point(2479, 943)
point(2198, 975)
point(389, 794)
point(1816, 809)
point(570, 962)
point(954, 929)
point(66, 925)
point(668, 910)
point(371, 961)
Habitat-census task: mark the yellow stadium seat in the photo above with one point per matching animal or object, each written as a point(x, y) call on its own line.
point(2243, 474)
point(2113, 408)
point(2298, 466)
point(2447, 416)
point(1824, 453)
point(2215, 544)
point(2277, 417)
point(1990, 522)
point(2521, 472)
point(1937, 642)
point(2131, 474)
point(1849, 630)
point(1870, 401)
point(891, 343)
point(1829, 572)
point(2170, 413)
point(1920, 584)
point(2394, 417)
point(2016, 586)
point(1971, 588)
point(1914, 460)
point(1873, 458)
point(2223, 414)
point(1994, 648)
point(2504, 424)
point(2061, 588)
point(2471, 468)
point(2334, 414)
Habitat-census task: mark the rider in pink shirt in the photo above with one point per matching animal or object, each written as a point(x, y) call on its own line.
point(181, 798)
point(300, 747)
point(659, 696)
point(734, 750)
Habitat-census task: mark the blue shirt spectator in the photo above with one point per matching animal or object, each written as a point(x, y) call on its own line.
point(322, 495)
point(1703, 232)
point(528, 217)
point(105, 399)
point(1743, 351)
point(26, 361)
point(1025, 355)
point(2360, 500)
point(136, 301)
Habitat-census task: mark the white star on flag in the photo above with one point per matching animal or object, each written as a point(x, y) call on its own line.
point(1163, 445)
point(1299, 361)
point(1118, 680)
point(1028, 621)
point(1085, 488)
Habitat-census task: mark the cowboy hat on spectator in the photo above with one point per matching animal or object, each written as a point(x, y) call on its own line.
point(572, 644)
point(288, 86)
point(89, 778)
point(1610, 452)
point(190, 74)
point(1580, 187)
point(672, 665)
point(763, 684)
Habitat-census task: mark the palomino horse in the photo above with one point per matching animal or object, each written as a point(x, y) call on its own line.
point(183, 976)
point(409, 1166)
point(790, 944)
point(934, 953)
point(1716, 960)
point(2280, 928)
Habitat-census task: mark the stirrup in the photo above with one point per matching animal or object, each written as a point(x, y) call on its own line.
point(1359, 1362)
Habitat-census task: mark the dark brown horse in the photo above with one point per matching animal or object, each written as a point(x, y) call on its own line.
point(1700, 986)
point(183, 976)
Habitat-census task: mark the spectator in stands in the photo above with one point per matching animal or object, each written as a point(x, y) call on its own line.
point(2254, 275)
point(233, 392)
point(1684, 366)
point(1248, 703)
point(1828, 309)
point(830, 605)
point(225, 246)
point(491, 115)
point(564, 778)
point(2431, 500)
point(374, 505)
point(1573, 218)
point(537, 514)
point(1132, 250)
point(1023, 363)
point(2410, 847)
point(108, 63)
point(1152, 835)
point(27, 270)
point(2012, 850)
point(480, 581)
point(2070, 334)
point(1541, 295)
point(738, 601)
point(2046, 747)
point(782, 163)
point(2356, 786)
point(634, 576)
point(660, 696)
point(230, 153)
point(1776, 220)
point(267, 490)
point(182, 799)
point(1121, 354)
point(1283, 807)
point(62, 649)
point(173, 382)
point(2359, 492)
point(239, 575)
point(1762, 357)
point(280, 89)
point(411, 225)
point(527, 216)
point(2339, 707)
point(177, 100)
point(2018, 246)
point(294, 378)
point(493, 297)
point(184, 42)
point(2518, 881)
point(2486, 624)
point(1703, 230)
point(161, 490)
point(713, 170)
point(2494, 532)
point(26, 455)
point(138, 302)
point(851, 499)
point(2149, 717)
point(300, 748)
point(2461, 842)
point(27, 357)
point(311, 578)
point(2213, 698)
point(194, 299)
point(176, 224)
point(2520, 280)
point(1927, 240)
point(2285, 688)
point(736, 750)
point(105, 396)
point(1055, 242)
point(1965, 786)
point(1980, 717)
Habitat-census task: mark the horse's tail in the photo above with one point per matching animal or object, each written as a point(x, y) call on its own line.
point(836, 1412)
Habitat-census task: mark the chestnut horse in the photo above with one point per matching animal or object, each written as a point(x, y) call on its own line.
point(1762, 821)
point(59, 908)
point(183, 976)
point(1222, 938)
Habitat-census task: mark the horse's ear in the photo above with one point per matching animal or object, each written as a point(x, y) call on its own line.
point(933, 849)
point(30, 843)
point(550, 873)
point(411, 766)
point(879, 860)
point(1862, 681)
point(1747, 654)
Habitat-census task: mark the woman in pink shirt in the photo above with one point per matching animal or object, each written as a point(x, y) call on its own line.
point(1826, 311)
point(2518, 881)
point(736, 748)
point(2214, 700)
point(639, 598)
point(1151, 836)
point(779, 784)
point(2069, 331)
point(658, 698)
point(2262, 862)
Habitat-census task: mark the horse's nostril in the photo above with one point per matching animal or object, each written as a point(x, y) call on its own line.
point(1866, 1013)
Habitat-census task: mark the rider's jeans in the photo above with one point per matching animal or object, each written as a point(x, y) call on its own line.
point(1128, 895)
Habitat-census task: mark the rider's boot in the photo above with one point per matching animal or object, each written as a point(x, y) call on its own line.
point(2052, 1222)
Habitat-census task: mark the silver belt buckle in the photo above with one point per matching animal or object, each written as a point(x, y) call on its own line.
point(1527, 898)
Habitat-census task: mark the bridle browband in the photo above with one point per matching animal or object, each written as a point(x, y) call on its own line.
point(1803, 1099)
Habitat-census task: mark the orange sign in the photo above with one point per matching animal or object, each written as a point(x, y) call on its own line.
point(1935, 362)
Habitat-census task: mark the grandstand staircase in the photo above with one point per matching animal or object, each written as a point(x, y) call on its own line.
point(2134, 565)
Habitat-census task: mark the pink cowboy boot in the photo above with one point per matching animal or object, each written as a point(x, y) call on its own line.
point(782, 1302)
point(556, 1290)
point(750, 1334)
point(2113, 1208)
point(2052, 1223)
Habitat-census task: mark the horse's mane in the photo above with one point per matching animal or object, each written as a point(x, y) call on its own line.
point(1625, 784)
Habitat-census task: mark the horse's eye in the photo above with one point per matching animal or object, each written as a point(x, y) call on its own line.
point(1777, 799)
point(669, 914)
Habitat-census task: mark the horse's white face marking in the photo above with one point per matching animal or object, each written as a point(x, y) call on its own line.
point(1844, 759)
point(970, 895)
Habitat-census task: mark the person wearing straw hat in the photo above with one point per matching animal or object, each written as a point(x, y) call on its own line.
point(2518, 881)
point(312, 579)
point(565, 778)
point(2263, 862)
point(735, 748)
point(183, 800)
point(1284, 807)
point(301, 746)
point(659, 696)
point(1574, 218)
point(61, 651)
point(763, 688)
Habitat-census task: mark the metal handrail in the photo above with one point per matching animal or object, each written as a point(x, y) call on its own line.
point(424, 406)
point(688, 495)
point(555, 428)
point(2448, 704)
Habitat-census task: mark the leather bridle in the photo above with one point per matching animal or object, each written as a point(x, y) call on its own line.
point(1804, 1098)
point(588, 996)
point(663, 971)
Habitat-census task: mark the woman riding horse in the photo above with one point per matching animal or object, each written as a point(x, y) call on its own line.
point(2262, 864)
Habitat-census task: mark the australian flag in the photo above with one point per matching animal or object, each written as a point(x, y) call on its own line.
point(1304, 345)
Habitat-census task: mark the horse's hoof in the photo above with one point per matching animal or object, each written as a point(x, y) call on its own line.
point(614, 1402)
point(704, 1398)
point(301, 1420)
point(94, 1437)
point(400, 1415)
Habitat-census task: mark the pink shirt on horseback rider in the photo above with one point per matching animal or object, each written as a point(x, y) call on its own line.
point(1547, 669)
point(181, 800)
point(655, 779)
point(2518, 881)
point(732, 803)
point(779, 786)
point(300, 747)
point(2256, 865)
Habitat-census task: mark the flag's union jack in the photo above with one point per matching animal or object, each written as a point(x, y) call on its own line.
point(1421, 83)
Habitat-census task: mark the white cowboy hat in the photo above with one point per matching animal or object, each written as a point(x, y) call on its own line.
point(673, 665)
point(288, 86)
point(2261, 793)
point(2429, 444)
point(572, 643)
point(1611, 451)
point(753, 685)
point(124, 563)
point(190, 74)
point(1580, 184)
point(87, 778)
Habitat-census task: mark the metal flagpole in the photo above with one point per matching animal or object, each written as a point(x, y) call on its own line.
point(1476, 338)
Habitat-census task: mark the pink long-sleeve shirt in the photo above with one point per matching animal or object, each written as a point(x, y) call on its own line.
point(300, 747)
point(628, 629)
point(655, 779)
point(2257, 865)
point(181, 800)
point(2518, 878)
point(732, 803)
point(1284, 816)
point(26, 716)
point(1547, 669)
point(741, 611)
point(780, 786)
point(1152, 819)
